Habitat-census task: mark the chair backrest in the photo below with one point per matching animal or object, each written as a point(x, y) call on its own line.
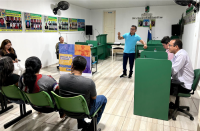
point(154, 55)
point(40, 99)
point(76, 104)
point(13, 92)
point(196, 79)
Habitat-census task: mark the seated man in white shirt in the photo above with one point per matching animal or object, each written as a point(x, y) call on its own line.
point(182, 69)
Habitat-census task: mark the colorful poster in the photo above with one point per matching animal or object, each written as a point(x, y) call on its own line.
point(33, 22)
point(73, 24)
point(67, 52)
point(81, 25)
point(10, 20)
point(63, 24)
point(153, 22)
point(146, 23)
point(140, 23)
point(50, 24)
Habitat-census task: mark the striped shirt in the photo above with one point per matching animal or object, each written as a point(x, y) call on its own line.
point(182, 69)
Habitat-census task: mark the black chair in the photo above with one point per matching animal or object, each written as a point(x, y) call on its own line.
point(177, 106)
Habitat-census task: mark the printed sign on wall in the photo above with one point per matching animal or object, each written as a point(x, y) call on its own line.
point(63, 24)
point(10, 20)
point(33, 22)
point(50, 24)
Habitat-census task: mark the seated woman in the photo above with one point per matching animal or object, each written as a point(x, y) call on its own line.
point(33, 82)
point(7, 50)
point(6, 74)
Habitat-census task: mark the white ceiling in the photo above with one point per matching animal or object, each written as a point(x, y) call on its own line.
point(107, 4)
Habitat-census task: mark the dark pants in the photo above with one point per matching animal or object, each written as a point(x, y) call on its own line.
point(175, 89)
point(101, 100)
point(131, 57)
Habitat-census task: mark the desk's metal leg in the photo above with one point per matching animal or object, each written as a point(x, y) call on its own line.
point(112, 54)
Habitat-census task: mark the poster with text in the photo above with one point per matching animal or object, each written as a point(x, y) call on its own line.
point(50, 24)
point(140, 23)
point(153, 23)
point(81, 25)
point(63, 24)
point(67, 52)
point(33, 22)
point(10, 20)
point(146, 23)
point(73, 24)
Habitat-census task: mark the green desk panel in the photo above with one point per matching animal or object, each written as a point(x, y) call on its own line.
point(152, 88)
point(154, 55)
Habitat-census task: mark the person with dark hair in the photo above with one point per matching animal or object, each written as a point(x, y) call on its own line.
point(27, 24)
point(129, 49)
point(75, 84)
point(32, 82)
point(182, 69)
point(6, 72)
point(61, 39)
point(2, 23)
point(165, 42)
point(7, 77)
point(7, 50)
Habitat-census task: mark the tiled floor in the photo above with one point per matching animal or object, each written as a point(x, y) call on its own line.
point(118, 114)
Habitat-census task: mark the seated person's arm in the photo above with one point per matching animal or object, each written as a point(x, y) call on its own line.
point(53, 85)
point(93, 91)
point(178, 64)
point(57, 49)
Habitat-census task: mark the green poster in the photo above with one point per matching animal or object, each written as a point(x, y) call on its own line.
point(63, 24)
point(81, 25)
point(33, 22)
point(73, 24)
point(10, 20)
point(50, 24)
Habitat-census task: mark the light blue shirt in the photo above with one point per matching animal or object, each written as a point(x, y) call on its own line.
point(130, 42)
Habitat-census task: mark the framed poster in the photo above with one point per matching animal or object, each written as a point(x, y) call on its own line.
point(33, 22)
point(63, 24)
point(50, 24)
point(67, 52)
point(73, 24)
point(81, 25)
point(153, 22)
point(146, 23)
point(10, 20)
point(140, 23)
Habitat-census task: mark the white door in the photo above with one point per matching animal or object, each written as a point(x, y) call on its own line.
point(109, 25)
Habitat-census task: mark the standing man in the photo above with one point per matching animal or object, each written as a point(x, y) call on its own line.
point(61, 39)
point(129, 49)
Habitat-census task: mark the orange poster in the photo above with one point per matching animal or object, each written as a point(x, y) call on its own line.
point(82, 50)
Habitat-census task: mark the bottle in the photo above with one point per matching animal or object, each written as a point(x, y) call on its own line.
point(155, 50)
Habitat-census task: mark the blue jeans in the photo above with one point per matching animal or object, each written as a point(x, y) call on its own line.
point(101, 100)
point(131, 57)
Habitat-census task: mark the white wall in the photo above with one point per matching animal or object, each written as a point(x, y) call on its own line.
point(42, 44)
point(191, 41)
point(170, 14)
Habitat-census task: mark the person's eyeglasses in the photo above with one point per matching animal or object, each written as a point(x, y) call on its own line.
point(170, 45)
point(132, 29)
